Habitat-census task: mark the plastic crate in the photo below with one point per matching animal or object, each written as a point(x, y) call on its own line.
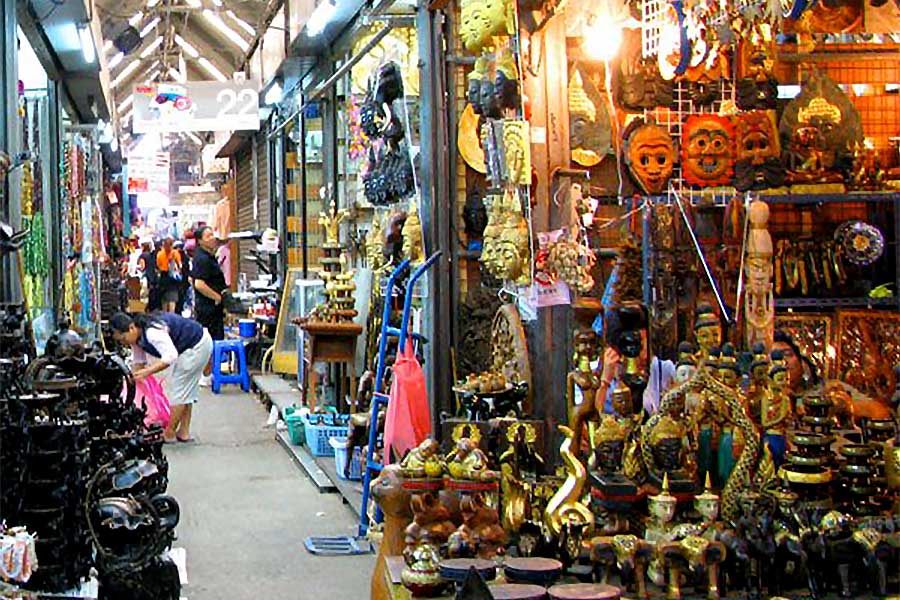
point(295, 425)
point(319, 429)
point(340, 459)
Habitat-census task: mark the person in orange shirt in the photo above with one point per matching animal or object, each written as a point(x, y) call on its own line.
point(168, 265)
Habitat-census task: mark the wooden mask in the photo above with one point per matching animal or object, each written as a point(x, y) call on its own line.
point(650, 156)
point(758, 152)
point(707, 150)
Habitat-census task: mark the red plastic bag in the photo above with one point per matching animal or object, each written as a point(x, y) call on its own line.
point(408, 420)
point(150, 396)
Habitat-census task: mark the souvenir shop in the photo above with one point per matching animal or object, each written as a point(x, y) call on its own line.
point(668, 333)
point(70, 437)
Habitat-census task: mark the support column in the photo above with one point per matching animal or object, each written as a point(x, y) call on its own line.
point(9, 210)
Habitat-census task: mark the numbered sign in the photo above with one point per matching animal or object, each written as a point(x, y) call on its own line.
point(196, 106)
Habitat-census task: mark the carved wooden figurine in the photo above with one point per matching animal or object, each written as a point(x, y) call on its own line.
point(759, 300)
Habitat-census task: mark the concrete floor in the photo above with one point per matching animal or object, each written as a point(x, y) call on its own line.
point(245, 510)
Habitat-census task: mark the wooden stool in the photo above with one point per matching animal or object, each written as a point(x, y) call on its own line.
point(540, 571)
point(518, 591)
point(584, 591)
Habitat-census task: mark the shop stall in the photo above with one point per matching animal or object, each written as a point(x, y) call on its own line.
point(675, 268)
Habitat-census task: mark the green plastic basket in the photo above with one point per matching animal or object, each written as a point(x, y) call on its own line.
point(295, 425)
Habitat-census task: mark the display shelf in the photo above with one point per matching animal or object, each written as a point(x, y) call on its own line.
point(829, 198)
point(861, 302)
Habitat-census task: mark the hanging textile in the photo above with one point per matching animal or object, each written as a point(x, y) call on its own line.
point(408, 420)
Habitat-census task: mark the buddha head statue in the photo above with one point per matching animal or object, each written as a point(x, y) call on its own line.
point(588, 138)
point(687, 365)
point(482, 19)
point(759, 368)
point(778, 372)
point(758, 162)
point(473, 83)
point(707, 329)
point(609, 441)
point(622, 401)
point(662, 505)
point(666, 439)
point(707, 503)
point(729, 373)
point(412, 234)
point(506, 80)
point(707, 150)
point(650, 156)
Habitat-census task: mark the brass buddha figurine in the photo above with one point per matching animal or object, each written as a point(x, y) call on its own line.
point(469, 462)
point(669, 455)
point(423, 461)
point(660, 530)
point(613, 457)
point(776, 412)
point(374, 246)
point(707, 331)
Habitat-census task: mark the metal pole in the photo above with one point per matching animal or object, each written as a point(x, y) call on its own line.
point(304, 235)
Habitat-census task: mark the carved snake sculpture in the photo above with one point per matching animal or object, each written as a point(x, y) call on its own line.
point(735, 413)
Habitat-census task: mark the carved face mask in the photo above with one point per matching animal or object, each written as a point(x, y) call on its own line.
point(758, 151)
point(650, 155)
point(707, 155)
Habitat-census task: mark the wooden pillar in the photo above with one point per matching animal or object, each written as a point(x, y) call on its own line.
point(547, 89)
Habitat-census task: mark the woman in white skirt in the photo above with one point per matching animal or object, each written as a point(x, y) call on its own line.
point(178, 348)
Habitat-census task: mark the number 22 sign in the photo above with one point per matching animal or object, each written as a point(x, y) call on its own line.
point(197, 106)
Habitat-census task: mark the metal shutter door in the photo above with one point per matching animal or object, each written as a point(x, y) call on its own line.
point(244, 195)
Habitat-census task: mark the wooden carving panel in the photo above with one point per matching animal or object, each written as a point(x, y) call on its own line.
point(868, 349)
point(813, 333)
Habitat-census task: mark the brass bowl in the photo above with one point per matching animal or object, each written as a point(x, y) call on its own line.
point(809, 439)
point(795, 475)
point(807, 461)
point(856, 470)
point(880, 424)
point(857, 451)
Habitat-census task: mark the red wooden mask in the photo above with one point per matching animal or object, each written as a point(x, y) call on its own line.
point(650, 156)
point(707, 150)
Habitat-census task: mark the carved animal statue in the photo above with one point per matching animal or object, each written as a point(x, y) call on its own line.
point(393, 499)
point(431, 522)
point(480, 534)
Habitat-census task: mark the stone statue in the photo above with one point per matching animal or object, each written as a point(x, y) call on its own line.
point(759, 299)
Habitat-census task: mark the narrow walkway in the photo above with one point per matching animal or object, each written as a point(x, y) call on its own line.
point(245, 510)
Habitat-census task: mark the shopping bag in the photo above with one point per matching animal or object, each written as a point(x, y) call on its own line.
point(150, 396)
point(408, 419)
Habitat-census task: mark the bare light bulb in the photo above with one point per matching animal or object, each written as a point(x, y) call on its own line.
point(602, 39)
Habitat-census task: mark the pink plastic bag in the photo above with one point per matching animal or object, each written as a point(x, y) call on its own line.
point(149, 395)
point(408, 420)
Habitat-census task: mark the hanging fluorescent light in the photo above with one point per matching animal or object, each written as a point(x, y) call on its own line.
point(211, 69)
point(136, 19)
point(187, 47)
point(115, 60)
point(177, 75)
point(149, 27)
point(152, 3)
point(196, 140)
point(194, 3)
point(152, 47)
point(128, 115)
point(227, 31)
point(114, 144)
point(125, 104)
point(241, 23)
point(273, 94)
point(86, 37)
point(320, 18)
point(153, 75)
point(128, 70)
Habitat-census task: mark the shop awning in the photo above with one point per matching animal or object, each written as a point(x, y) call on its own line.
point(52, 29)
point(238, 140)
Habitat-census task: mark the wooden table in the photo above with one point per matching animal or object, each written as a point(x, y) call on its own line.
point(331, 343)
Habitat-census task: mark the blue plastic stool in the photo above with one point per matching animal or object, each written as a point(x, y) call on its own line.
point(221, 351)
